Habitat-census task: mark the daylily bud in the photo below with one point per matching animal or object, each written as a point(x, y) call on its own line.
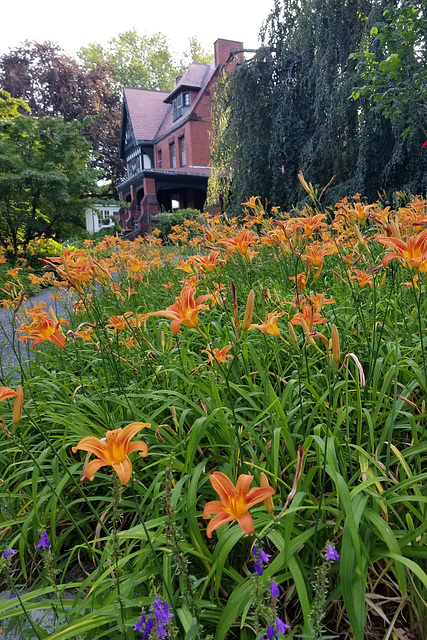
point(335, 338)
point(359, 235)
point(67, 268)
point(303, 182)
point(395, 232)
point(249, 311)
point(307, 333)
point(21, 299)
point(268, 502)
point(53, 315)
point(292, 334)
point(17, 405)
point(235, 306)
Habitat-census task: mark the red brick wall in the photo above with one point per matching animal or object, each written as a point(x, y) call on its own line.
point(222, 49)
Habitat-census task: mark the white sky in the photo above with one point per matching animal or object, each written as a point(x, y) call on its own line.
point(77, 23)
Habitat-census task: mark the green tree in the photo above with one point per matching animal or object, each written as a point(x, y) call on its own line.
point(195, 53)
point(392, 63)
point(287, 108)
point(44, 179)
point(11, 107)
point(53, 83)
point(137, 60)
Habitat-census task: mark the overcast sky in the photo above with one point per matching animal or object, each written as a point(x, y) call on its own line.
point(76, 23)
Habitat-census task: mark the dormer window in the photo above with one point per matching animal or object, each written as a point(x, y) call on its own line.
point(180, 104)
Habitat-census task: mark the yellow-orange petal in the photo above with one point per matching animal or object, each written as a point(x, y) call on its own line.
point(215, 506)
point(138, 446)
point(93, 445)
point(217, 522)
point(222, 485)
point(123, 470)
point(176, 326)
point(246, 523)
point(92, 467)
point(243, 483)
point(6, 392)
point(128, 432)
point(258, 494)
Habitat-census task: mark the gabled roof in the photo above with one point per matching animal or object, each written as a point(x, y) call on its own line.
point(192, 78)
point(169, 124)
point(146, 109)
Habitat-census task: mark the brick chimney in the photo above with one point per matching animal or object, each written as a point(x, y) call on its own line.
point(222, 50)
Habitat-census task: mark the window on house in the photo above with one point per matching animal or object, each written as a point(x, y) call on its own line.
point(173, 154)
point(182, 152)
point(180, 104)
point(159, 159)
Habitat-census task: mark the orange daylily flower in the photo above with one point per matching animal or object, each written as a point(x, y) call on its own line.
point(311, 223)
point(184, 310)
point(413, 252)
point(300, 280)
point(85, 334)
point(113, 450)
point(309, 316)
point(135, 264)
point(240, 242)
point(234, 503)
point(318, 300)
point(218, 355)
point(13, 273)
point(362, 278)
point(270, 324)
point(44, 328)
point(186, 265)
point(209, 262)
point(119, 323)
point(315, 253)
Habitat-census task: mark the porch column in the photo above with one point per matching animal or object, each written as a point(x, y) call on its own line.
point(149, 204)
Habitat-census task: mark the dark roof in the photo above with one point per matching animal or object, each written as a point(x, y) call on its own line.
point(147, 110)
point(192, 78)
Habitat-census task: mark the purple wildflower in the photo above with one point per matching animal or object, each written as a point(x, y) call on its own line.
point(161, 611)
point(258, 568)
point(282, 626)
point(270, 632)
point(274, 590)
point(11, 596)
point(8, 552)
point(150, 625)
point(43, 543)
point(138, 626)
point(332, 554)
point(264, 557)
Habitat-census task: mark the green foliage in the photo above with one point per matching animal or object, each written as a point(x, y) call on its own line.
point(392, 61)
point(361, 486)
point(53, 83)
point(166, 221)
point(139, 60)
point(44, 179)
point(287, 109)
point(10, 107)
point(41, 248)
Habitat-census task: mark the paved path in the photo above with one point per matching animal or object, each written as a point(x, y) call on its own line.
point(9, 345)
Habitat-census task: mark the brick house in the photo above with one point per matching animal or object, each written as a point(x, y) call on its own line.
point(165, 142)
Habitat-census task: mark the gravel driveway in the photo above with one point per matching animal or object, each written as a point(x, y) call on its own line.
point(9, 345)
